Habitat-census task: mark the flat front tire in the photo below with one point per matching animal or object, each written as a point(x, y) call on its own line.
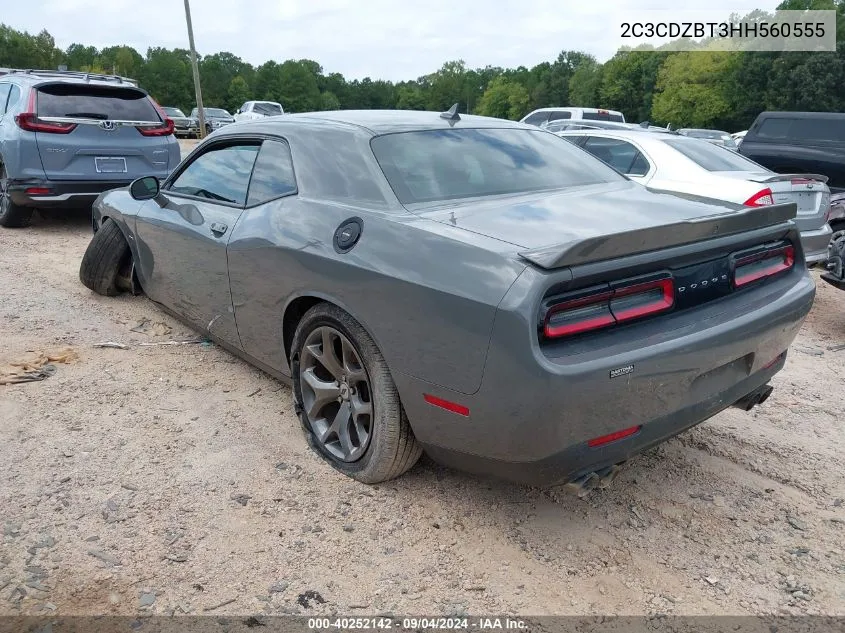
point(346, 399)
point(106, 260)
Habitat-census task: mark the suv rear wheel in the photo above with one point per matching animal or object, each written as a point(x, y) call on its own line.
point(11, 215)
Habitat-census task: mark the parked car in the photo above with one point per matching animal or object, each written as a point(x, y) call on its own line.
point(472, 287)
point(546, 115)
point(693, 166)
point(184, 126)
point(792, 142)
point(65, 137)
point(567, 124)
point(215, 118)
point(717, 137)
point(258, 110)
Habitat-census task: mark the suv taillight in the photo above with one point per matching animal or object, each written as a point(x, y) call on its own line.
point(165, 129)
point(769, 261)
point(606, 306)
point(30, 122)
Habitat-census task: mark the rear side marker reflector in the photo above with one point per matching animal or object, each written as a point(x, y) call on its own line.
point(445, 404)
point(38, 191)
point(613, 437)
point(760, 265)
point(606, 308)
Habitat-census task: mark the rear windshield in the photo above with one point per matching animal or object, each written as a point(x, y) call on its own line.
point(217, 112)
point(450, 164)
point(603, 116)
point(712, 157)
point(95, 102)
point(267, 109)
point(707, 134)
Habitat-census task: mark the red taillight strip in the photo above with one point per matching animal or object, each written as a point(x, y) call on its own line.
point(454, 407)
point(786, 261)
point(665, 302)
point(612, 437)
point(594, 323)
point(606, 299)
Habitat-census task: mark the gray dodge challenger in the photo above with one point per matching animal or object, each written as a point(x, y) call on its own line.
point(478, 289)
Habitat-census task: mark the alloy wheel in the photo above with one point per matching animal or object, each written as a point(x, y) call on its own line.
point(5, 196)
point(336, 394)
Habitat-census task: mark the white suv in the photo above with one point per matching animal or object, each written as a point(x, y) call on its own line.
point(258, 110)
point(546, 115)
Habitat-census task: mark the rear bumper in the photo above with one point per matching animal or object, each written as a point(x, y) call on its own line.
point(815, 244)
point(62, 194)
point(534, 414)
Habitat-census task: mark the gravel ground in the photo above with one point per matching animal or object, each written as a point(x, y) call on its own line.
point(177, 480)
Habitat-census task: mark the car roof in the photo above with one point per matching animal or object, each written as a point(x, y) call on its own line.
point(388, 121)
point(633, 135)
point(802, 115)
point(570, 108)
point(67, 76)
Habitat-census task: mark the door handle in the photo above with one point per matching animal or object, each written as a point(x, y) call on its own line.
point(218, 229)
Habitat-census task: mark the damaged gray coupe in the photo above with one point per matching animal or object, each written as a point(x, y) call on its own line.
point(474, 288)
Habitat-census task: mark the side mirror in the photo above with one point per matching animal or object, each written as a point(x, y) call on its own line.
point(145, 188)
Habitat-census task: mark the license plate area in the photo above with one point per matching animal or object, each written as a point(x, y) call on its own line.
point(807, 202)
point(110, 164)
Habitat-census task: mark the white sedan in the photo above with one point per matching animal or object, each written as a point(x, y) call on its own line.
point(691, 166)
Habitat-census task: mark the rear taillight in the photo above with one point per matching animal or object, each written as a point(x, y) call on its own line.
point(765, 263)
point(165, 129)
point(606, 307)
point(760, 199)
point(30, 122)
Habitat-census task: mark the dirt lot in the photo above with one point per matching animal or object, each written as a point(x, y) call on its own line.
point(176, 479)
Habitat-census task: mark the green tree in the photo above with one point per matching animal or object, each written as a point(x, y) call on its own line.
point(505, 99)
point(584, 84)
point(691, 88)
point(329, 101)
point(237, 94)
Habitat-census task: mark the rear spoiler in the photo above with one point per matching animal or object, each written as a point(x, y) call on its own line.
point(782, 177)
point(605, 247)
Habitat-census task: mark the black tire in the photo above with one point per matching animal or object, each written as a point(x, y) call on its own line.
point(392, 448)
point(107, 258)
point(12, 216)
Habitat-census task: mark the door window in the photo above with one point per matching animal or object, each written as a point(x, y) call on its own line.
point(621, 155)
point(273, 174)
point(220, 174)
point(4, 95)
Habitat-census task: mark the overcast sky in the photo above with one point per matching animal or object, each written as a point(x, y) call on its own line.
point(383, 39)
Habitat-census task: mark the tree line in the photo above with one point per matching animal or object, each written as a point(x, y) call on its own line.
point(724, 90)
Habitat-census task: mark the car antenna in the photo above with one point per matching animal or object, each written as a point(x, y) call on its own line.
point(451, 114)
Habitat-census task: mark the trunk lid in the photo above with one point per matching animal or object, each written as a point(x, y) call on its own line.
point(600, 222)
point(105, 143)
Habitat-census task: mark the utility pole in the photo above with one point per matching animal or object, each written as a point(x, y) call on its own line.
point(195, 69)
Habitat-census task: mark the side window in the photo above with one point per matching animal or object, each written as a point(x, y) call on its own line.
point(538, 118)
point(775, 128)
point(4, 96)
point(273, 174)
point(14, 97)
point(620, 155)
point(555, 116)
point(220, 174)
point(818, 129)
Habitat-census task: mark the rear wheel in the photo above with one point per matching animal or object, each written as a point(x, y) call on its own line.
point(346, 398)
point(107, 264)
point(11, 215)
